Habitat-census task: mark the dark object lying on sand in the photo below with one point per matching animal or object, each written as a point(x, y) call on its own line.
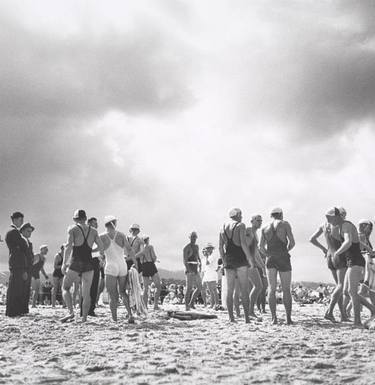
point(189, 316)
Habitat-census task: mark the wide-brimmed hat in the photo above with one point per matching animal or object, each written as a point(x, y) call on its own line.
point(109, 218)
point(209, 246)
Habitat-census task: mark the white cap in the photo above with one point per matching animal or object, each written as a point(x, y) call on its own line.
point(209, 246)
point(234, 212)
point(364, 221)
point(109, 218)
point(43, 247)
point(277, 210)
point(135, 226)
point(333, 212)
point(256, 216)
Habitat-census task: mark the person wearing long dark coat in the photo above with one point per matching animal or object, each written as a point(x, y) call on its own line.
point(17, 267)
point(26, 231)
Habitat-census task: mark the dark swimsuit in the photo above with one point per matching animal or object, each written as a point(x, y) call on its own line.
point(278, 256)
point(338, 262)
point(193, 267)
point(148, 268)
point(57, 273)
point(235, 256)
point(130, 262)
point(35, 269)
point(354, 256)
point(81, 261)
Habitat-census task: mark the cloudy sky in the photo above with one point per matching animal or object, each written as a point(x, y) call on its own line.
point(169, 113)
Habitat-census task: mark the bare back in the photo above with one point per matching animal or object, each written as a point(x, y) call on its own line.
point(80, 231)
point(281, 227)
point(228, 232)
point(119, 238)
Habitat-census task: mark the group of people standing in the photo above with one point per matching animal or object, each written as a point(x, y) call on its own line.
point(249, 266)
point(349, 255)
point(123, 261)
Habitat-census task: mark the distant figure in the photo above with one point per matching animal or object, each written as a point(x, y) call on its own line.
point(276, 241)
point(147, 259)
point(57, 275)
point(17, 267)
point(192, 264)
point(26, 231)
point(38, 266)
point(137, 245)
point(81, 238)
point(237, 258)
point(257, 275)
point(210, 274)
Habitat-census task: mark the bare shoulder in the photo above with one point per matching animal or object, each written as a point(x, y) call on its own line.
point(286, 224)
point(71, 228)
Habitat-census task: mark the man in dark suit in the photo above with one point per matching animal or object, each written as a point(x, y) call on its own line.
point(17, 267)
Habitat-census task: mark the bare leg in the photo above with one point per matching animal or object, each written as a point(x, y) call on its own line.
point(230, 276)
point(286, 279)
point(243, 280)
point(55, 288)
point(236, 297)
point(35, 286)
point(213, 293)
point(272, 283)
point(126, 299)
point(346, 297)
point(69, 278)
point(205, 287)
point(86, 299)
point(339, 276)
point(189, 286)
point(256, 290)
point(146, 284)
point(156, 280)
point(111, 285)
point(199, 289)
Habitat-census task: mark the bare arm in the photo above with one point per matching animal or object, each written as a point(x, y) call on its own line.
point(128, 249)
point(289, 234)
point(363, 243)
point(68, 250)
point(153, 254)
point(55, 262)
point(245, 247)
point(43, 271)
point(315, 242)
point(186, 256)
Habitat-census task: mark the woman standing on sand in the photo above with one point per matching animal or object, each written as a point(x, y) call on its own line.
point(115, 269)
point(210, 267)
point(147, 259)
point(337, 265)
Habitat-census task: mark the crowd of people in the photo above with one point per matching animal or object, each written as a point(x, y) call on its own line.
point(243, 272)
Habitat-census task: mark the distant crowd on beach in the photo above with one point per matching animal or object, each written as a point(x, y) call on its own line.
point(242, 271)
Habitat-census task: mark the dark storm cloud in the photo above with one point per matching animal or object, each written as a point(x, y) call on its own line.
point(314, 67)
point(142, 71)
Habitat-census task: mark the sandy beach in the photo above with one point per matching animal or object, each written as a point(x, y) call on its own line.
point(39, 349)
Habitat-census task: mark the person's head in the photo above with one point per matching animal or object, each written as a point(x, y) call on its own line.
point(146, 239)
point(80, 216)
point(365, 227)
point(209, 248)
point(93, 222)
point(17, 219)
point(110, 222)
point(135, 229)
point(277, 213)
point(235, 214)
point(193, 237)
point(334, 217)
point(342, 212)
point(27, 229)
point(256, 221)
point(43, 249)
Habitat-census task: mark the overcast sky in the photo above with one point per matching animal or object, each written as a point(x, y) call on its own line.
point(169, 113)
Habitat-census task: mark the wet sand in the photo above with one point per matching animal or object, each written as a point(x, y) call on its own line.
point(39, 349)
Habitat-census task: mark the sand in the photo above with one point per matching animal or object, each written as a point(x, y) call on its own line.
point(39, 349)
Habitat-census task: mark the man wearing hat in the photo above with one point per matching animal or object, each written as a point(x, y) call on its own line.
point(276, 241)
point(192, 264)
point(17, 267)
point(237, 258)
point(210, 273)
point(81, 238)
point(137, 245)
